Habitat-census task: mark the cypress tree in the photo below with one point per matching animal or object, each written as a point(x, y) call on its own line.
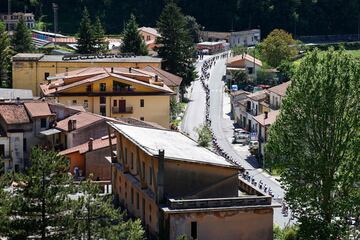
point(5, 57)
point(22, 41)
point(86, 41)
point(176, 46)
point(99, 36)
point(132, 41)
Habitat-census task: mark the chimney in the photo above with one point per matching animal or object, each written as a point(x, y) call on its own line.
point(266, 115)
point(90, 144)
point(130, 69)
point(112, 70)
point(71, 125)
point(160, 177)
point(156, 78)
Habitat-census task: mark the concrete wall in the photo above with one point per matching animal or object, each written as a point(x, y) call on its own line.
point(227, 225)
point(97, 165)
point(82, 135)
point(190, 180)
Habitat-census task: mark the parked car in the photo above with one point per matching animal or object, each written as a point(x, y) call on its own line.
point(240, 136)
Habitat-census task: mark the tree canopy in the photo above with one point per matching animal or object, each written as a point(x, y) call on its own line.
point(176, 45)
point(316, 142)
point(45, 202)
point(305, 17)
point(5, 57)
point(132, 41)
point(22, 42)
point(277, 47)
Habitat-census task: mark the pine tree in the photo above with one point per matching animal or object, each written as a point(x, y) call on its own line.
point(41, 201)
point(96, 218)
point(86, 41)
point(5, 57)
point(99, 36)
point(176, 46)
point(132, 41)
point(22, 41)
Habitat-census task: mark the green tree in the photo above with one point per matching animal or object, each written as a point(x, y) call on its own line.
point(5, 57)
point(132, 41)
point(99, 37)
point(205, 137)
point(176, 46)
point(316, 143)
point(22, 42)
point(96, 218)
point(278, 46)
point(40, 201)
point(86, 41)
point(194, 28)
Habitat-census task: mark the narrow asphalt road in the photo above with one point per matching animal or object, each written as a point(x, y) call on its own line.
point(222, 127)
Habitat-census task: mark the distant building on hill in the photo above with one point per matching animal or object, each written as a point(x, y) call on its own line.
point(11, 20)
point(240, 38)
point(149, 35)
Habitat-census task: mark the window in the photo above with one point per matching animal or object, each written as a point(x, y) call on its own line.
point(143, 169)
point(88, 88)
point(24, 145)
point(250, 70)
point(132, 196)
point(114, 103)
point(150, 175)
point(2, 150)
point(132, 160)
point(149, 212)
point(46, 75)
point(102, 100)
point(86, 104)
point(137, 201)
point(102, 87)
point(103, 110)
point(194, 230)
point(142, 118)
point(74, 102)
point(148, 38)
point(43, 122)
point(142, 102)
point(125, 155)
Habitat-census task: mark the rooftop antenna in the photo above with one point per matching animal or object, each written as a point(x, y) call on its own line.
point(9, 7)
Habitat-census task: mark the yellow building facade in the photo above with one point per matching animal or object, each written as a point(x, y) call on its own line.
point(113, 92)
point(30, 70)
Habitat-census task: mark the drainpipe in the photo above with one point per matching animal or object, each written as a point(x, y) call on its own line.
point(160, 193)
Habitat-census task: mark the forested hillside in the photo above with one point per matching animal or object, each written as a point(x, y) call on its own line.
point(300, 17)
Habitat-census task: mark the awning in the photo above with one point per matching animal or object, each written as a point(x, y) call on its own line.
point(50, 132)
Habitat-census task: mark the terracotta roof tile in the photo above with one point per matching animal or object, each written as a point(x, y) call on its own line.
point(99, 143)
point(14, 114)
point(272, 115)
point(38, 109)
point(280, 89)
point(258, 96)
point(169, 79)
point(82, 119)
point(238, 58)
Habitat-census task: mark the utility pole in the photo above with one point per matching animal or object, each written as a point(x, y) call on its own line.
point(9, 7)
point(55, 10)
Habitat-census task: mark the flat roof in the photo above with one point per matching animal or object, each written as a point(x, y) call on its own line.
point(84, 58)
point(176, 145)
point(59, 58)
point(210, 43)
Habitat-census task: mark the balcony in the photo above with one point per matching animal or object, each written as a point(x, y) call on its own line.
point(126, 110)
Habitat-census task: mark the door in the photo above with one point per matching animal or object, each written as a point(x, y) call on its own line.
point(122, 106)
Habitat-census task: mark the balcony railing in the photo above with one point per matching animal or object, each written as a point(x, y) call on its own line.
point(220, 202)
point(117, 110)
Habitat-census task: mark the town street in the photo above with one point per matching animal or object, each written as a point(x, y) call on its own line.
point(222, 127)
point(195, 111)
